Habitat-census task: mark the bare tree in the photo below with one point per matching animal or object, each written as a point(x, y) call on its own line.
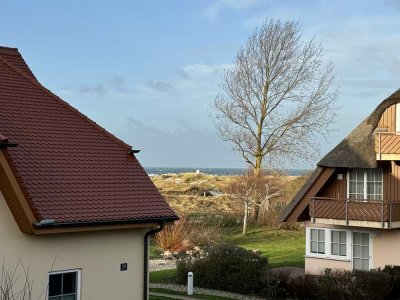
point(254, 193)
point(277, 98)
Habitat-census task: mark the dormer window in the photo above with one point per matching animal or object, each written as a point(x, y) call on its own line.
point(365, 184)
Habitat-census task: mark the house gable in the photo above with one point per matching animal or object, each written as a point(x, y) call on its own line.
point(70, 172)
point(295, 211)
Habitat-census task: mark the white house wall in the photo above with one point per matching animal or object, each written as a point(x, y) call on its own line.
point(97, 254)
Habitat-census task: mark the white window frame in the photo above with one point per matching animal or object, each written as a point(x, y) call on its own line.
point(365, 185)
point(78, 279)
point(348, 243)
point(328, 247)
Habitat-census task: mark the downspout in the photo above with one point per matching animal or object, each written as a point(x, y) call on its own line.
point(146, 258)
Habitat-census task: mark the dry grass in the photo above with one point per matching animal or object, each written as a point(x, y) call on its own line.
point(185, 192)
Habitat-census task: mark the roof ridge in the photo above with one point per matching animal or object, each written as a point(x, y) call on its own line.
point(67, 105)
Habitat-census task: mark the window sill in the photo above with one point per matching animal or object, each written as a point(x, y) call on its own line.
point(338, 258)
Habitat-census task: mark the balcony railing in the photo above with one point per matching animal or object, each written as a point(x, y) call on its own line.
point(384, 212)
point(387, 145)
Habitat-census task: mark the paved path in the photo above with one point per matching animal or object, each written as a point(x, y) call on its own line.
point(182, 288)
point(179, 297)
point(161, 264)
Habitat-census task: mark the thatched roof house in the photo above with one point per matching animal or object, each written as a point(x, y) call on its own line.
point(355, 151)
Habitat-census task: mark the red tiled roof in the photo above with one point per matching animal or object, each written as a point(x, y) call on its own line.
point(70, 169)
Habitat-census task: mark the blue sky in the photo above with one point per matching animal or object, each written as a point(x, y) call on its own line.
point(148, 70)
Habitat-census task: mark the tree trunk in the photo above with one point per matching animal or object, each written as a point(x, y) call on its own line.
point(257, 167)
point(246, 212)
point(257, 174)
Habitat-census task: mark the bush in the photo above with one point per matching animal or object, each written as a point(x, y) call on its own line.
point(339, 284)
point(354, 285)
point(292, 226)
point(301, 287)
point(225, 267)
point(217, 220)
point(185, 234)
point(394, 272)
point(173, 237)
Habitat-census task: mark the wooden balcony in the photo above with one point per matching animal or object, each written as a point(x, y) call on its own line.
point(387, 145)
point(354, 212)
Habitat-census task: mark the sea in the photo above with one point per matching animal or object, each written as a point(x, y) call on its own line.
point(151, 171)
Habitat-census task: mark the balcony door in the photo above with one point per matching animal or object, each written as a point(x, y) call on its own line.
point(365, 184)
point(397, 118)
point(361, 258)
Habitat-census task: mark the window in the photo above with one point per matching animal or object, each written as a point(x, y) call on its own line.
point(328, 243)
point(361, 251)
point(338, 242)
point(317, 241)
point(365, 184)
point(64, 285)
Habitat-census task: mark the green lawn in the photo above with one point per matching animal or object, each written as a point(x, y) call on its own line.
point(282, 247)
point(162, 276)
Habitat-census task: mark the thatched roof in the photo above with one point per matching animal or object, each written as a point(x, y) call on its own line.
point(357, 149)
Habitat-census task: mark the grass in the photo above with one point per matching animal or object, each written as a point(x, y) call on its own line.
point(198, 296)
point(155, 252)
point(163, 276)
point(282, 247)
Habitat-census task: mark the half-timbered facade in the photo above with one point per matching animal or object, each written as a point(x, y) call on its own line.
point(351, 202)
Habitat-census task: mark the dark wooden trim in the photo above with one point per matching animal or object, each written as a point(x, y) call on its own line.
point(15, 197)
point(315, 187)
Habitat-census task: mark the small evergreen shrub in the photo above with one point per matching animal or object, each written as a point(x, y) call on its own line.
point(225, 267)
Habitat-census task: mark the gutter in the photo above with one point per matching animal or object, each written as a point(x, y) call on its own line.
point(54, 224)
point(5, 144)
point(146, 259)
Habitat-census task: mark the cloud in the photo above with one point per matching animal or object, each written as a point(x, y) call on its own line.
point(212, 11)
point(196, 83)
point(111, 86)
point(202, 70)
point(97, 89)
point(117, 84)
point(160, 85)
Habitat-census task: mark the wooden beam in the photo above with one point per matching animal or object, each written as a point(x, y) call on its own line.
point(311, 192)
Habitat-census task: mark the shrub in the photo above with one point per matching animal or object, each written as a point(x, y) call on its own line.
point(185, 234)
point(225, 267)
point(173, 237)
point(292, 226)
point(202, 235)
point(339, 284)
point(356, 284)
point(394, 272)
point(298, 287)
point(219, 220)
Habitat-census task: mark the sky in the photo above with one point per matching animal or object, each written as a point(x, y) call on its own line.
point(148, 71)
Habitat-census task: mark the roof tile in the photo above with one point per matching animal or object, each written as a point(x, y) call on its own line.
point(71, 169)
